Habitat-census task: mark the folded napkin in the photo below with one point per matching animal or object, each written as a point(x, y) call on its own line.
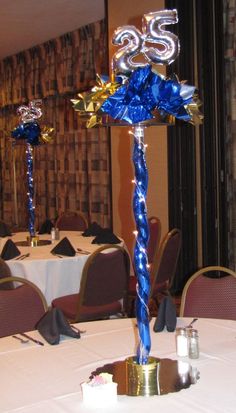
point(106, 236)
point(4, 230)
point(10, 250)
point(166, 316)
point(92, 230)
point(46, 227)
point(53, 324)
point(64, 247)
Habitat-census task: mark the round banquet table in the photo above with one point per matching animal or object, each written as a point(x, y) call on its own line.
point(36, 379)
point(55, 276)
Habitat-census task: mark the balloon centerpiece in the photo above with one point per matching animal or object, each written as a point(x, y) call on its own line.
point(33, 134)
point(138, 95)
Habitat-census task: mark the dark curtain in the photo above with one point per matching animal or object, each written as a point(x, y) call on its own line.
point(200, 63)
point(230, 74)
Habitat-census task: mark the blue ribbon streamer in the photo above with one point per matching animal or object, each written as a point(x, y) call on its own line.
point(31, 208)
point(140, 249)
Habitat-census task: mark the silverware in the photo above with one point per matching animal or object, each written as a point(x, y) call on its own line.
point(32, 339)
point(77, 329)
point(80, 251)
point(23, 256)
point(190, 324)
point(56, 255)
point(22, 340)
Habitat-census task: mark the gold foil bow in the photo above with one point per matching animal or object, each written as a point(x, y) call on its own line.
point(89, 103)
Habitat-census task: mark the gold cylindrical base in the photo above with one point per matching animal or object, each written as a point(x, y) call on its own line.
point(142, 379)
point(33, 241)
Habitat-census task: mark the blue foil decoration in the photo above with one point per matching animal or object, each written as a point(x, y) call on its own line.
point(146, 91)
point(30, 193)
point(140, 249)
point(28, 131)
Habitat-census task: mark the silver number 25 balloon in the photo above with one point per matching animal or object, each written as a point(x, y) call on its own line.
point(140, 43)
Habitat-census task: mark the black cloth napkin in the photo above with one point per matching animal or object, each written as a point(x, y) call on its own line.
point(92, 230)
point(171, 319)
point(64, 247)
point(4, 230)
point(53, 324)
point(106, 236)
point(46, 227)
point(166, 316)
point(10, 250)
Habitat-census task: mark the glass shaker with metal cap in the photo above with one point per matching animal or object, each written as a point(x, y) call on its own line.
point(193, 344)
point(181, 342)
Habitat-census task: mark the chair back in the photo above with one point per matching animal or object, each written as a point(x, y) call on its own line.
point(105, 277)
point(72, 221)
point(209, 297)
point(4, 273)
point(20, 308)
point(154, 237)
point(166, 259)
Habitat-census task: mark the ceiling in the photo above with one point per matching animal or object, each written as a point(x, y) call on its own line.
point(26, 23)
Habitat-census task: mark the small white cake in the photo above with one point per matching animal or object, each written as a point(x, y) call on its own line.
point(100, 391)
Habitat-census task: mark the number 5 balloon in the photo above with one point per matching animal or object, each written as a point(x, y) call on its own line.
point(153, 33)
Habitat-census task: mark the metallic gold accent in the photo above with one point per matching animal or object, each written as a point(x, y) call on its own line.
point(32, 241)
point(172, 375)
point(27, 243)
point(141, 379)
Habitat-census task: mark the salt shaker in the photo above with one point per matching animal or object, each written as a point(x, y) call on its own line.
point(53, 234)
point(181, 342)
point(193, 344)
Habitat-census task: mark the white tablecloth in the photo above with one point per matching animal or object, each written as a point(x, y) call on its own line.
point(53, 275)
point(38, 379)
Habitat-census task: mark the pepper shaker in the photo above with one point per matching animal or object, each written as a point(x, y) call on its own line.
point(57, 234)
point(193, 344)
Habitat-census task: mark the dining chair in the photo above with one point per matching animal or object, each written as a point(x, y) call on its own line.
point(103, 287)
point(162, 271)
point(21, 307)
point(207, 297)
point(71, 221)
point(154, 237)
point(5, 272)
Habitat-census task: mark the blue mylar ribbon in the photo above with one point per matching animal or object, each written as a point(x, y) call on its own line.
point(30, 190)
point(140, 250)
point(29, 131)
point(146, 91)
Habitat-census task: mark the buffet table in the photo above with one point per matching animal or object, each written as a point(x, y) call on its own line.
point(36, 379)
point(54, 275)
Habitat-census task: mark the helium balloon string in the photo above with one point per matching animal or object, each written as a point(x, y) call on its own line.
point(140, 249)
point(30, 193)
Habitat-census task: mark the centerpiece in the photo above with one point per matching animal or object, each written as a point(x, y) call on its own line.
point(137, 95)
point(34, 135)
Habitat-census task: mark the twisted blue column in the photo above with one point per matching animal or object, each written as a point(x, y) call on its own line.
point(140, 249)
point(31, 208)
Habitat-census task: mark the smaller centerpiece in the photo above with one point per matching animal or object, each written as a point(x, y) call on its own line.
point(30, 131)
